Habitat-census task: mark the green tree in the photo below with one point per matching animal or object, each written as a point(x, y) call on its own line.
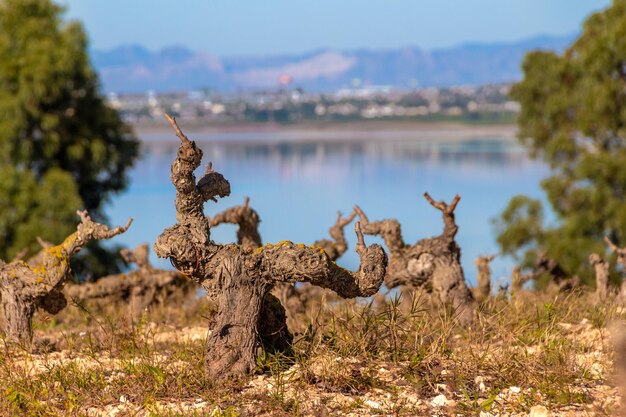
point(61, 147)
point(573, 116)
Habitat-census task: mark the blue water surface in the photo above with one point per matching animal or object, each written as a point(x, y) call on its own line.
point(298, 184)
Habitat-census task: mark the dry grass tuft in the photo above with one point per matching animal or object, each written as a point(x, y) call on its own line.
point(399, 356)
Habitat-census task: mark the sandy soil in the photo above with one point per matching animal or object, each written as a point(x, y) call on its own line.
point(316, 389)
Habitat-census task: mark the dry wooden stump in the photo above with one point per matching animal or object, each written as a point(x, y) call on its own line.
point(239, 279)
point(139, 289)
point(433, 263)
point(482, 291)
point(295, 299)
point(38, 282)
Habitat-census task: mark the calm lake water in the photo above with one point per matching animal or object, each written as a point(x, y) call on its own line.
point(298, 184)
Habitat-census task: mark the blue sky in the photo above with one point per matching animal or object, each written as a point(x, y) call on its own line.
point(244, 27)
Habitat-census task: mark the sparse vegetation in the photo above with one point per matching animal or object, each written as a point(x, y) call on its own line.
point(392, 357)
point(431, 346)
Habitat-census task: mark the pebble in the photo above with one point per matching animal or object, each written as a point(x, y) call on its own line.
point(539, 411)
point(480, 383)
point(442, 387)
point(441, 401)
point(372, 404)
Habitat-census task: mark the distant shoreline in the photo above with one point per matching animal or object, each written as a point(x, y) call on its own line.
point(327, 132)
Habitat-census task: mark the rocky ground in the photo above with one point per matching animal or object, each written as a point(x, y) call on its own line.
point(537, 357)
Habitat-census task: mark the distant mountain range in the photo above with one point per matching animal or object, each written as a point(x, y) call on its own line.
point(137, 69)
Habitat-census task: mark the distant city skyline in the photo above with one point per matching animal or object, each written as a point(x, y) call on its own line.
point(271, 27)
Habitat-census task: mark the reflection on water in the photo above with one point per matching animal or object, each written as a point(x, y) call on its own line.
point(297, 187)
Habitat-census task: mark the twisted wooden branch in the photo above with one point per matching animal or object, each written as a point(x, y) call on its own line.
point(239, 279)
point(433, 263)
point(601, 268)
point(483, 290)
point(389, 229)
point(248, 221)
point(26, 286)
point(619, 252)
point(447, 210)
point(338, 245)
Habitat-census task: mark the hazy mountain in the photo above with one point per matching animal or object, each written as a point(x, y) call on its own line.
point(135, 68)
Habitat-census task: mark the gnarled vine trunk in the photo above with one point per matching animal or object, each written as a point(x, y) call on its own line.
point(139, 288)
point(518, 280)
point(483, 289)
point(284, 297)
point(433, 263)
point(621, 260)
point(272, 319)
point(26, 286)
point(17, 314)
point(560, 281)
point(601, 268)
point(239, 279)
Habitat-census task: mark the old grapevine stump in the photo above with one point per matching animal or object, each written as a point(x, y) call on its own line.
point(272, 322)
point(433, 263)
point(601, 268)
point(247, 219)
point(239, 279)
point(139, 288)
point(621, 261)
point(25, 286)
point(483, 288)
point(284, 298)
point(519, 279)
point(559, 279)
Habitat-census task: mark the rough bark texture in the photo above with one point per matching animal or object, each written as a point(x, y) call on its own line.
point(272, 326)
point(26, 286)
point(483, 289)
point(247, 220)
point(298, 300)
point(621, 260)
point(560, 280)
point(139, 288)
point(272, 323)
point(433, 263)
point(518, 280)
point(239, 279)
point(602, 276)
